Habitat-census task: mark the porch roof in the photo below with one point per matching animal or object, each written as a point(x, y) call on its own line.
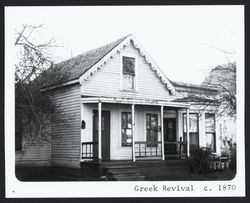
point(150, 102)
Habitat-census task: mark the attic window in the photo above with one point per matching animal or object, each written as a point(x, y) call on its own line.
point(128, 73)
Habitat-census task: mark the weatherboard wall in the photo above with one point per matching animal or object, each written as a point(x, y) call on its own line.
point(34, 155)
point(65, 146)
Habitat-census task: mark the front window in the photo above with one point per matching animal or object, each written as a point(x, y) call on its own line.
point(128, 73)
point(126, 129)
point(152, 129)
point(193, 130)
point(210, 131)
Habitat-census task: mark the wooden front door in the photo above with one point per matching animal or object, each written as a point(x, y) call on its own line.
point(105, 142)
point(170, 136)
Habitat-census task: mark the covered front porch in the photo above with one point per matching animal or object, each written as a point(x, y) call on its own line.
point(142, 125)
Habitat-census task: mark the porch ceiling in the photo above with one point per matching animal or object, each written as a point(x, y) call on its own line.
point(134, 101)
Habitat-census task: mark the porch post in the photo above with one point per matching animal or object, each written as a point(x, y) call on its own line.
point(100, 131)
point(162, 135)
point(187, 126)
point(133, 132)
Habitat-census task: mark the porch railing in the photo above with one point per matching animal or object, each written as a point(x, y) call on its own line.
point(148, 149)
point(143, 149)
point(175, 149)
point(89, 150)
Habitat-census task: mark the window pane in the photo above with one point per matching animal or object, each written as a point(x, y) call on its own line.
point(128, 65)
point(185, 137)
point(154, 136)
point(210, 141)
point(102, 127)
point(184, 123)
point(124, 120)
point(129, 120)
point(124, 137)
point(128, 82)
point(193, 122)
point(193, 139)
point(154, 121)
point(96, 122)
point(210, 122)
point(129, 132)
point(152, 128)
point(147, 121)
point(129, 141)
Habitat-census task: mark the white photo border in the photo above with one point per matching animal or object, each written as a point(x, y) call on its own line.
point(16, 188)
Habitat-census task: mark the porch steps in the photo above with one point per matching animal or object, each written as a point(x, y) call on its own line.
point(147, 170)
point(123, 171)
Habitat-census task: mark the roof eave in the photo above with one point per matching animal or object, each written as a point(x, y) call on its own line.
point(71, 82)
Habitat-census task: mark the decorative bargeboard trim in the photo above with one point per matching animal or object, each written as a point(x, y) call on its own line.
point(86, 76)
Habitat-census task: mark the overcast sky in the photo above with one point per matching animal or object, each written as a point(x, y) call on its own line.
point(185, 41)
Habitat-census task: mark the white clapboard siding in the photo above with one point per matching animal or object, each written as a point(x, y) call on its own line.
point(35, 155)
point(65, 146)
point(106, 82)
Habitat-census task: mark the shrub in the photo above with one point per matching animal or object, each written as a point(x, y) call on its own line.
point(232, 164)
point(199, 160)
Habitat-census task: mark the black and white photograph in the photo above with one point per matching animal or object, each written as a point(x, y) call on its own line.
point(128, 101)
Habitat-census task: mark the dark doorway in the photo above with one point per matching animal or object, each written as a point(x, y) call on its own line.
point(170, 136)
point(105, 134)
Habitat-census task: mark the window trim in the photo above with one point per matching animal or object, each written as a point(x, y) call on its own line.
point(121, 72)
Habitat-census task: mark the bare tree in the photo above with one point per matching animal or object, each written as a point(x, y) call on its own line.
point(35, 111)
point(34, 58)
point(223, 77)
point(219, 91)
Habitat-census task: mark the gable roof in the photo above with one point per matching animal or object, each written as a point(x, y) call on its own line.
point(82, 67)
point(74, 67)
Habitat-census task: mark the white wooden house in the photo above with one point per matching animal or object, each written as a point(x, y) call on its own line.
point(123, 107)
